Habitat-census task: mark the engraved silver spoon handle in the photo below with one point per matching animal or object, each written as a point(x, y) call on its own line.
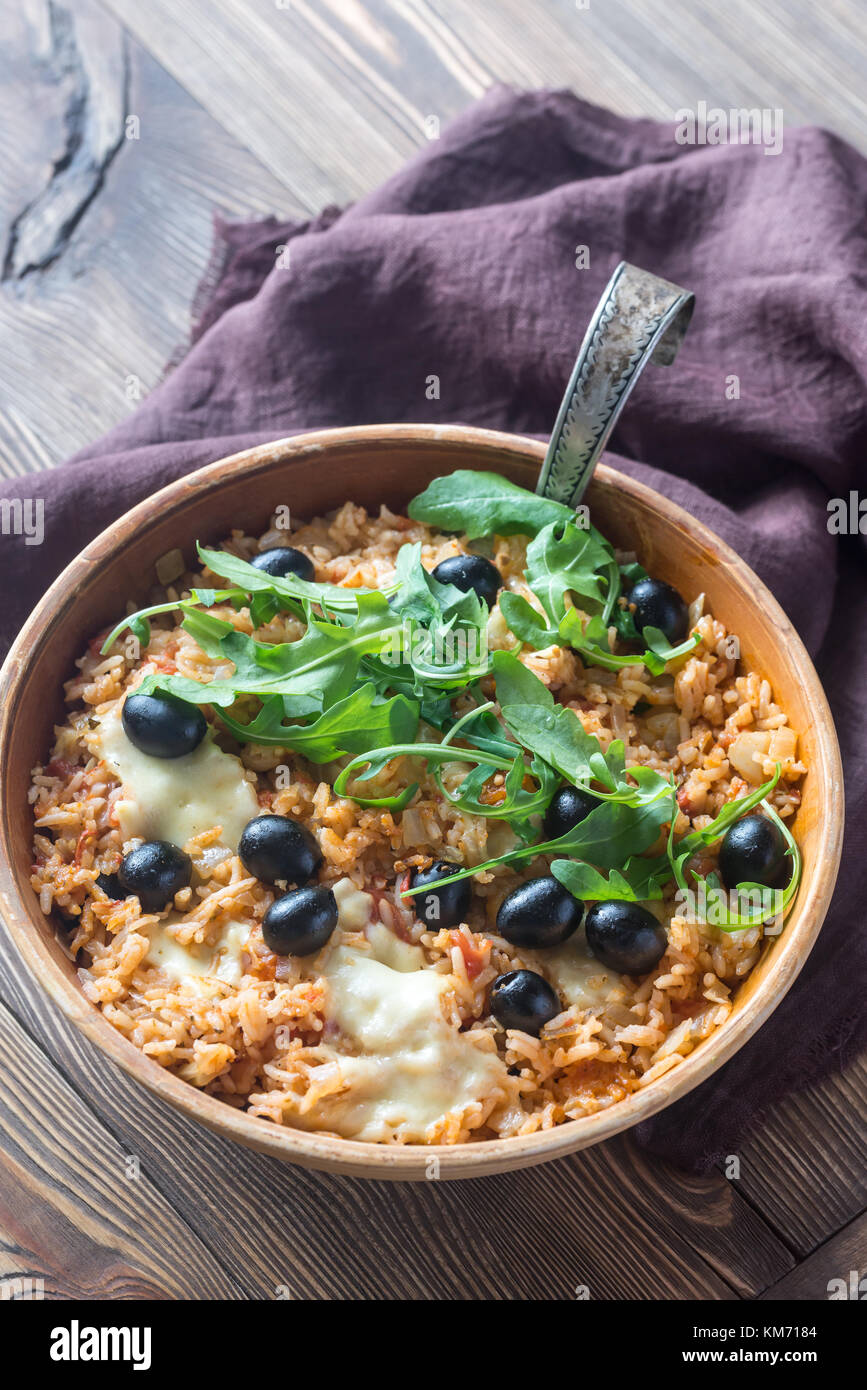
point(640, 318)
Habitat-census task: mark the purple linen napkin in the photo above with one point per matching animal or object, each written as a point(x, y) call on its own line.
point(463, 266)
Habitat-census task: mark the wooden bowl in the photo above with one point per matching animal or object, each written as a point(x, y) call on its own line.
point(312, 474)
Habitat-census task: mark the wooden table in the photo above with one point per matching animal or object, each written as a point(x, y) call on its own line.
point(255, 106)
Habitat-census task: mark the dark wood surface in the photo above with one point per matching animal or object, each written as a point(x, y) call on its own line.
point(256, 106)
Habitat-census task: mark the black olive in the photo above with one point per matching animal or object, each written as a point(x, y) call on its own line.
point(110, 885)
point(754, 851)
point(283, 560)
point(625, 937)
point(300, 923)
point(163, 726)
point(154, 873)
point(274, 847)
point(441, 907)
point(468, 572)
point(540, 912)
point(568, 808)
point(524, 1000)
point(658, 605)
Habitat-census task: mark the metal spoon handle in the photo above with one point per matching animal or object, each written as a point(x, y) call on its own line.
point(640, 318)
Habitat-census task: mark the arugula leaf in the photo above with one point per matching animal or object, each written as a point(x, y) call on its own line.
point(609, 838)
point(289, 587)
point(353, 725)
point(614, 833)
point(527, 623)
point(634, 884)
point(555, 733)
point(327, 657)
point(565, 558)
point(660, 651)
point(518, 803)
point(481, 727)
point(138, 623)
point(484, 504)
point(419, 595)
point(370, 764)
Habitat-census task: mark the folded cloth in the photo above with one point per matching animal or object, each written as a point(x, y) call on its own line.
point(468, 266)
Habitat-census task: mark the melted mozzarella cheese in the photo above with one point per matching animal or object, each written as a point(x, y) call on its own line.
point(353, 905)
point(412, 1066)
point(177, 798)
point(583, 982)
point(184, 962)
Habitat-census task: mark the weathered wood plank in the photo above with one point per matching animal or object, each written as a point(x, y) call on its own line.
point(373, 70)
point(286, 82)
point(69, 1211)
point(838, 1267)
point(805, 1169)
point(605, 1218)
point(120, 248)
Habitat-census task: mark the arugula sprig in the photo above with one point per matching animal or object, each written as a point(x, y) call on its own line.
point(762, 903)
point(612, 837)
point(477, 503)
point(565, 560)
point(516, 804)
point(681, 850)
point(721, 912)
point(368, 665)
point(555, 733)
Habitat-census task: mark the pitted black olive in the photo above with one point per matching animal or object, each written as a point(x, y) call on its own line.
point(539, 913)
point(625, 937)
point(468, 572)
point(274, 847)
point(523, 1000)
point(659, 605)
point(754, 851)
point(569, 806)
point(300, 923)
point(154, 873)
point(163, 726)
point(441, 907)
point(283, 560)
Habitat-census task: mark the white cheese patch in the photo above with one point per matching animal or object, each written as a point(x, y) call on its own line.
point(582, 981)
point(389, 950)
point(414, 1067)
point(177, 798)
point(222, 960)
point(355, 913)
point(353, 906)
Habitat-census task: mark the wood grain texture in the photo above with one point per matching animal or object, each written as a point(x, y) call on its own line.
point(843, 1258)
point(100, 268)
point(384, 65)
point(69, 1212)
point(806, 1169)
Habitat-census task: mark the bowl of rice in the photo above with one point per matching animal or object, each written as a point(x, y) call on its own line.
point(388, 819)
